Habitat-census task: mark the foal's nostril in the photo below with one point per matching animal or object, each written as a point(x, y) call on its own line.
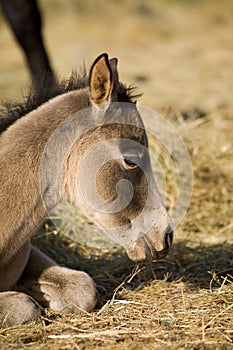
point(169, 237)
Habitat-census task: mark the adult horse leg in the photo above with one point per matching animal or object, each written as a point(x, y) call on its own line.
point(25, 21)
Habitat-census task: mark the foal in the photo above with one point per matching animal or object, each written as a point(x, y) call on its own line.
point(48, 154)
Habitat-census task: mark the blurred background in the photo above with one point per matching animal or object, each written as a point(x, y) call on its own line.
point(177, 52)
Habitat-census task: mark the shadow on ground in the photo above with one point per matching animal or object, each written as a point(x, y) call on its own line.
point(201, 266)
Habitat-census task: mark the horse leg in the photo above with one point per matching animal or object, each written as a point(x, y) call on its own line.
point(17, 308)
point(45, 283)
point(59, 288)
point(25, 21)
point(11, 270)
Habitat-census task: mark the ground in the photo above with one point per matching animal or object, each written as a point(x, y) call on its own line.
point(180, 55)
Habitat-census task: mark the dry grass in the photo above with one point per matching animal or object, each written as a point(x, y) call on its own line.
point(186, 300)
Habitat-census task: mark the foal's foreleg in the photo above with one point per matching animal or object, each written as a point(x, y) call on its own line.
point(17, 308)
point(58, 288)
point(11, 270)
point(45, 283)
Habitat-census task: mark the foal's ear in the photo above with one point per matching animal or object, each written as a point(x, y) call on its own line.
point(115, 78)
point(101, 80)
point(113, 64)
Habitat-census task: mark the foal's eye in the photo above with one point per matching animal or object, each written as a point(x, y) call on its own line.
point(129, 164)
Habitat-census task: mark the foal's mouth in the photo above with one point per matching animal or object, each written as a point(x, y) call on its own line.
point(143, 249)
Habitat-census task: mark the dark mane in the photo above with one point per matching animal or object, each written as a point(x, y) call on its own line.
point(10, 112)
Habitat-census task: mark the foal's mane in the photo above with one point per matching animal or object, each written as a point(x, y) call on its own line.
point(10, 112)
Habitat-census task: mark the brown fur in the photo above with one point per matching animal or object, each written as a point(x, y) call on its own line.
point(23, 145)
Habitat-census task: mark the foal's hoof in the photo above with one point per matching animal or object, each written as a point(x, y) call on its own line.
point(17, 308)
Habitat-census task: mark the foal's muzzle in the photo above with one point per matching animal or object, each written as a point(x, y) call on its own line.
point(152, 246)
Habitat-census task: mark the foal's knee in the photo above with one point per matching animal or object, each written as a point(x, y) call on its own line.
point(17, 308)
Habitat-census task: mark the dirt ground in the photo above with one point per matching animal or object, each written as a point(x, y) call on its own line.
point(180, 55)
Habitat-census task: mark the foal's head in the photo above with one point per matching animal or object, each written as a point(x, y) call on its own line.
point(112, 177)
